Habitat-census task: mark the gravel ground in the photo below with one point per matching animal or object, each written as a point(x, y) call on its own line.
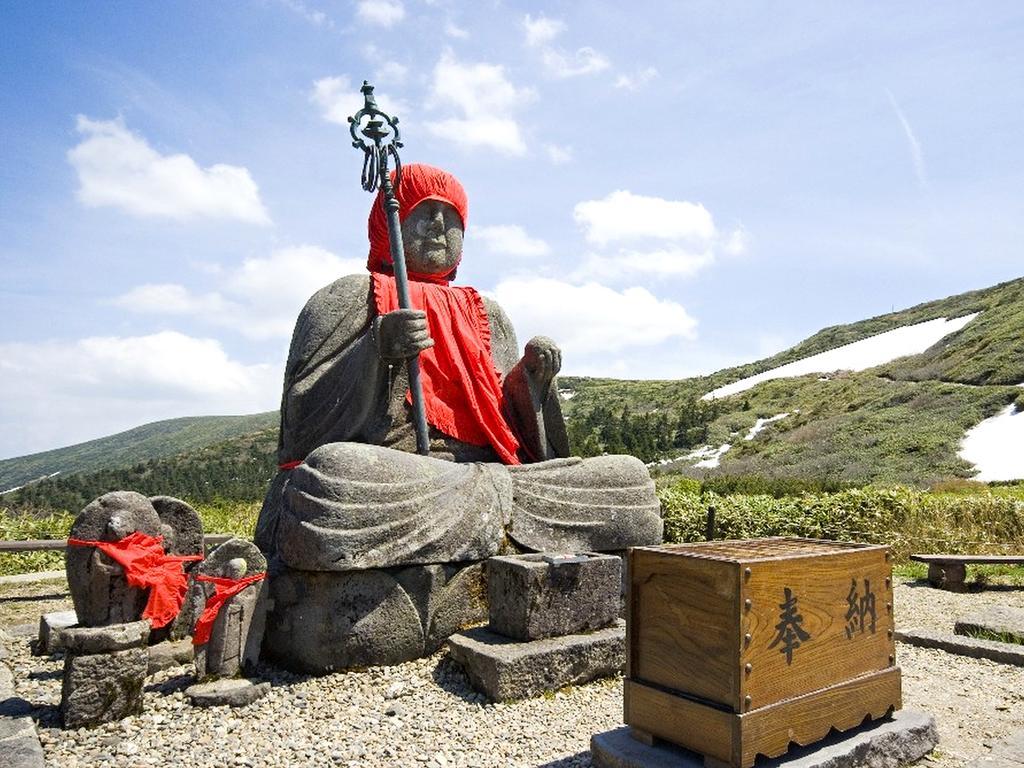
point(424, 713)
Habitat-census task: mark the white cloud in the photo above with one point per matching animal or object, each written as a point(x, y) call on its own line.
point(916, 153)
point(77, 390)
point(639, 235)
point(637, 79)
point(558, 154)
point(339, 99)
point(591, 319)
point(484, 100)
point(260, 299)
point(383, 13)
point(454, 30)
point(586, 61)
point(622, 215)
point(500, 133)
point(659, 262)
point(542, 30)
point(118, 168)
point(392, 72)
point(508, 240)
point(314, 17)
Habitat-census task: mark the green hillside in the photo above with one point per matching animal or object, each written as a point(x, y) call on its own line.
point(151, 441)
point(900, 422)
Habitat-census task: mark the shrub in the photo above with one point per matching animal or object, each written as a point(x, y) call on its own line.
point(907, 520)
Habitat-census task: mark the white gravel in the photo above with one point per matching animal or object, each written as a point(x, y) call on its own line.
point(423, 713)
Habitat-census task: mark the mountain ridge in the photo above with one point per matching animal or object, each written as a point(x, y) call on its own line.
point(900, 421)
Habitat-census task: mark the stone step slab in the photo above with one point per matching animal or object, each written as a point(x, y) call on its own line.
point(905, 737)
point(228, 692)
point(504, 669)
point(1004, 653)
point(1000, 620)
point(85, 641)
point(51, 629)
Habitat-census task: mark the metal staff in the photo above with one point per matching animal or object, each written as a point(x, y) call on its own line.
point(382, 130)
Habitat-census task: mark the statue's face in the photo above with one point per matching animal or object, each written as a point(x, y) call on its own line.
point(432, 236)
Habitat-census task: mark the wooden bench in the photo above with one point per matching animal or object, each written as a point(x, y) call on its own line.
point(950, 571)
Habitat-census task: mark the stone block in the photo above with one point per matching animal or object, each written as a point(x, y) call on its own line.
point(103, 687)
point(51, 627)
point(547, 594)
point(83, 641)
point(997, 622)
point(19, 742)
point(994, 650)
point(905, 737)
point(170, 653)
point(229, 692)
point(503, 669)
point(323, 621)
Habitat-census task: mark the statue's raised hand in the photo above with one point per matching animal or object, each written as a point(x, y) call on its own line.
point(402, 334)
point(542, 360)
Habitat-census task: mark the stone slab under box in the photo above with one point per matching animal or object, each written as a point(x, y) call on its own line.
point(503, 669)
point(902, 739)
point(549, 594)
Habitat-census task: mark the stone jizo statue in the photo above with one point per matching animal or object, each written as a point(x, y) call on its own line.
point(352, 494)
point(101, 591)
point(227, 597)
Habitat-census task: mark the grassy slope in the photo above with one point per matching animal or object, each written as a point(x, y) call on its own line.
point(150, 441)
point(900, 422)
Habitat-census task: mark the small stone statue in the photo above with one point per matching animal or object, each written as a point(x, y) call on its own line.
point(228, 597)
point(99, 588)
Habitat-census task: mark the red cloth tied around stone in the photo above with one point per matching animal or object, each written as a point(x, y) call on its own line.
point(419, 182)
point(147, 566)
point(223, 590)
point(461, 386)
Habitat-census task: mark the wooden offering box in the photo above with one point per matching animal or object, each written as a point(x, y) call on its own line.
point(736, 648)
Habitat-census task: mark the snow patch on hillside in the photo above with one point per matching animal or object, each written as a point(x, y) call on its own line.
point(858, 356)
point(19, 487)
point(761, 424)
point(709, 457)
point(996, 446)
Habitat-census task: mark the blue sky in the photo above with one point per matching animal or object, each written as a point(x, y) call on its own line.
point(665, 188)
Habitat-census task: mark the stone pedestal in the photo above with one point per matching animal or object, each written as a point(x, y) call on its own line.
point(326, 621)
point(547, 594)
point(104, 672)
point(906, 737)
point(540, 608)
point(502, 668)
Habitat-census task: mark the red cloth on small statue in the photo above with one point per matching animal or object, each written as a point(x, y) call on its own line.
point(223, 590)
point(147, 566)
point(461, 386)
